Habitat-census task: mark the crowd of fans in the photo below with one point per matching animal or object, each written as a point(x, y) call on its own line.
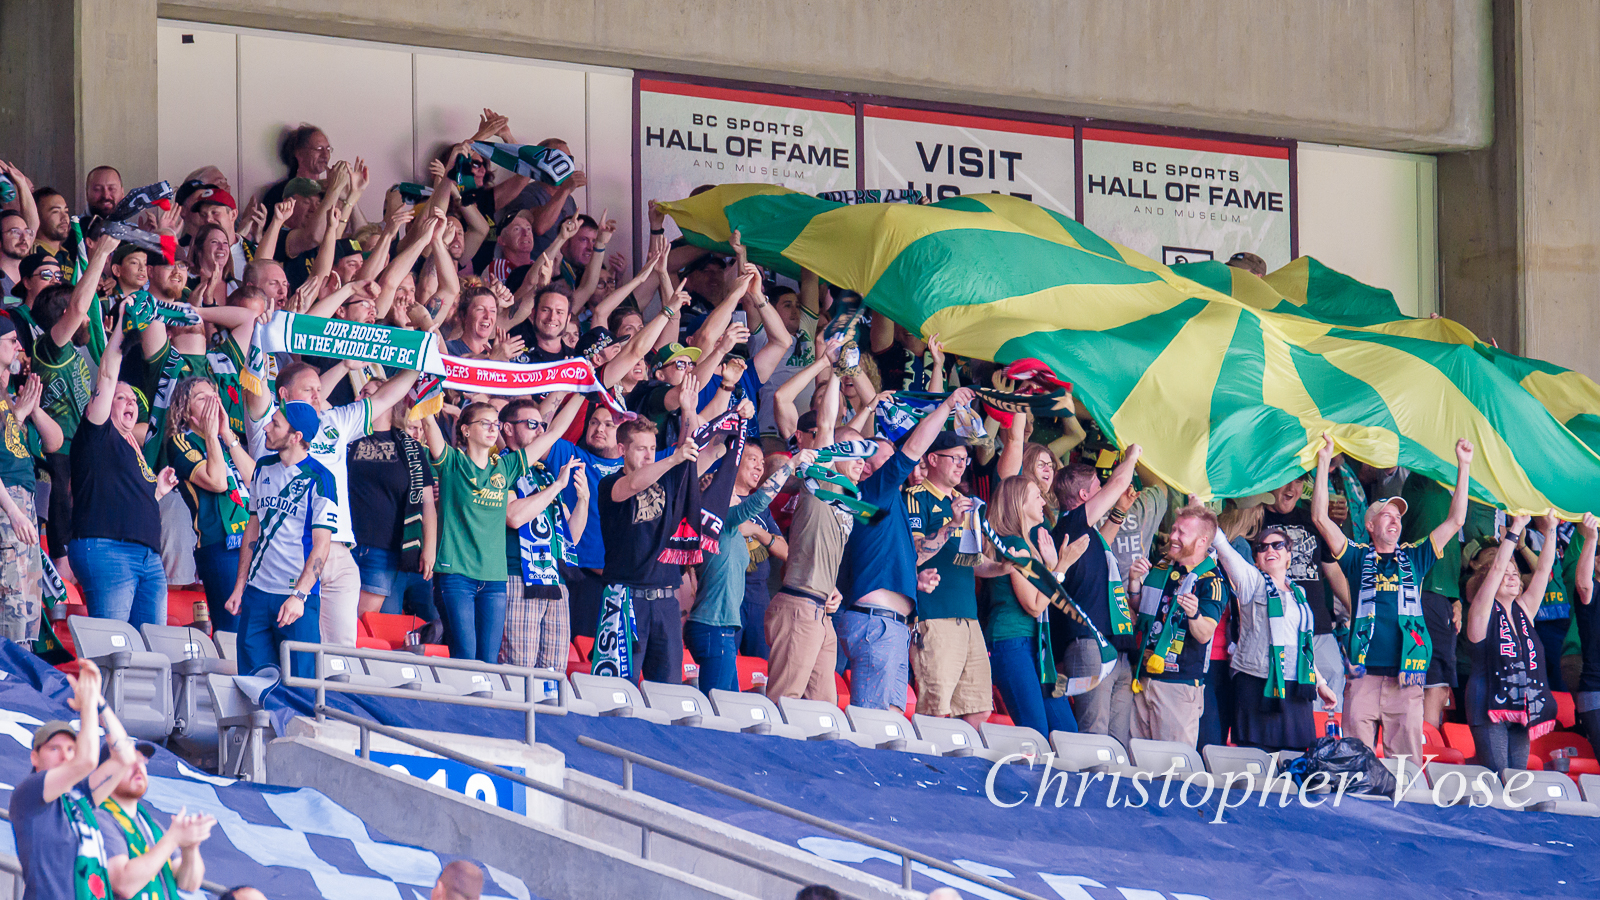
point(513, 524)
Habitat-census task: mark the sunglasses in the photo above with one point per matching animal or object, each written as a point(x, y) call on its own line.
point(48, 274)
point(534, 424)
point(1271, 545)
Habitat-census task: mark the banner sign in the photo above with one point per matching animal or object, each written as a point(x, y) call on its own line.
point(1181, 199)
point(692, 134)
point(461, 778)
point(945, 155)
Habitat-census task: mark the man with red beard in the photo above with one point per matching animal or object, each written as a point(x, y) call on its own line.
point(141, 858)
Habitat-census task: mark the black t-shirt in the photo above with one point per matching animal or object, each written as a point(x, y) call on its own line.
point(47, 843)
point(649, 399)
point(1588, 616)
point(635, 530)
point(113, 490)
point(1304, 563)
point(379, 483)
point(1089, 579)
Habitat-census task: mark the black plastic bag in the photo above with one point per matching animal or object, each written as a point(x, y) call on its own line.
point(1342, 756)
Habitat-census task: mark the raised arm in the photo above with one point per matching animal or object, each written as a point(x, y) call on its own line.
point(604, 308)
point(716, 323)
point(281, 211)
point(1483, 601)
point(1100, 502)
point(25, 204)
point(83, 293)
point(523, 510)
point(828, 415)
point(105, 384)
point(1534, 594)
point(779, 340)
point(644, 476)
point(393, 391)
point(921, 437)
point(1326, 527)
point(86, 700)
point(1011, 455)
point(435, 437)
point(1583, 586)
point(1450, 527)
point(1248, 581)
point(643, 340)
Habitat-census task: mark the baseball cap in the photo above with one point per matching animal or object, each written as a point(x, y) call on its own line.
point(1374, 509)
point(302, 417)
point(144, 747)
point(301, 187)
point(213, 195)
point(126, 250)
point(674, 351)
point(1254, 500)
point(344, 247)
point(50, 729)
point(35, 261)
point(946, 440)
point(594, 340)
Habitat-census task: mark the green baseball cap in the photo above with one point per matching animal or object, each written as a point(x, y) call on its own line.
point(675, 351)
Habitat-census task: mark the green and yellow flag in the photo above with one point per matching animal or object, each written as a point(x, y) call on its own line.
point(1225, 379)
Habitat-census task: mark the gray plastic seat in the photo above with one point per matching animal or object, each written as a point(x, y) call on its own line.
point(1465, 784)
point(1083, 752)
point(193, 656)
point(1552, 792)
point(407, 676)
point(1007, 740)
point(566, 698)
point(754, 712)
point(1415, 788)
point(1589, 786)
point(952, 736)
point(1161, 757)
point(686, 706)
point(138, 682)
point(227, 644)
point(347, 669)
point(489, 685)
point(243, 730)
point(889, 729)
point(821, 721)
point(613, 696)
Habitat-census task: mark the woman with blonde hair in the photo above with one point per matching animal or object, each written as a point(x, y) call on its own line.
point(1041, 465)
point(1021, 659)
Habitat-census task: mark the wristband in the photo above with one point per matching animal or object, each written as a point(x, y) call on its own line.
point(728, 387)
point(668, 311)
point(658, 231)
point(1118, 516)
point(599, 249)
point(1513, 536)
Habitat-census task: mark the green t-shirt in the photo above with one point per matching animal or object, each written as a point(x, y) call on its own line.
point(22, 442)
point(219, 518)
point(955, 597)
point(1427, 505)
point(472, 513)
point(67, 382)
point(1383, 655)
point(1007, 618)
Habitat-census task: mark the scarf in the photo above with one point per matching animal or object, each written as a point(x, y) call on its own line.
point(969, 546)
point(52, 591)
point(165, 885)
point(836, 490)
point(545, 164)
point(1044, 656)
point(142, 198)
point(851, 198)
point(615, 637)
point(1048, 584)
point(163, 245)
point(416, 494)
point(297, 333)
point(682, 546)
point(143, 308)
point(716, 488)
point(1116, 597)
point(483, 376)
point(901, 412)
point(543, 541)
point(1163, 628)
point(1416, 645)
point(1284, 641)
point(90, 880)
point(1355, 497)
point(1518, 689)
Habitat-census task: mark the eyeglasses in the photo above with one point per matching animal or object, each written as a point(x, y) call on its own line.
point(963, 461)
point(325, 148)
point(15, 232)
point(1271, 545)
point(534, 424)
point(493, 424)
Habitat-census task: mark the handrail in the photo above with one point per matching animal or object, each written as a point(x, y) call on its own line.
point(906, 854)
point(644, 826)
point(12, 866)
point(528, 705)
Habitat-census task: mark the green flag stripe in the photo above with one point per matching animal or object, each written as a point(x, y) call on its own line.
point(1240, 417)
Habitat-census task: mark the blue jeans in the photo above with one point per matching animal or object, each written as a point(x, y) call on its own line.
point(260, 635)
point(753, 637)
point(1015, 669)
point(412, 595)
point(474, 615)
point(880, 658)
point(121, 580)
point(716, 649)
point(379, 568)
point(219, 572)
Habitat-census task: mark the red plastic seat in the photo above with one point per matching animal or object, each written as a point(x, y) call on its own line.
point(1566, 710)
point(999, 719)
point(910, 709)
point(1582, 765)
point(1535, 764)
point(752, 673)
point(1544, 744)
point(576, 663)
point(1443, 754)
point(1459, 737)
point(1431, 735)
point(371, 643)
point(180, 605)
point(842, 686)
point(391, 628)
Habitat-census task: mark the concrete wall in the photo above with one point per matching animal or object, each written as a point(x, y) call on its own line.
point(1367, 72)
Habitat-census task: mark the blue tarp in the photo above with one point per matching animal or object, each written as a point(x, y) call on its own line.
point(939, 806)
point(292, 843)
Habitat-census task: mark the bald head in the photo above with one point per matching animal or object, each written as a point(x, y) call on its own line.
point(460, 880)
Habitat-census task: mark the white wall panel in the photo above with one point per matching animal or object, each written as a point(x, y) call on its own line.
point(358, 94)
point(610, 167)
point(197, 93)
point(1372, 215)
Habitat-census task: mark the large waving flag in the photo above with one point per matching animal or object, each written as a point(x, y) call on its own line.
point(1228, 389)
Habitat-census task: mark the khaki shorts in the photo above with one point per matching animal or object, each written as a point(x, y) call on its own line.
point(951, 662)
point(1168, 711)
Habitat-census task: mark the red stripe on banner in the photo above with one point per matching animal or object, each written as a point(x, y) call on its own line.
point(961, 121)
point(1207, 145)
point(738, 96)
point(510, 379)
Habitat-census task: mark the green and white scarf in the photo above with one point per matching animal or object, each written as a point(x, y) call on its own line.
point(1285, 641)
point(397, 348)
point(1416, 645)
point(1356, 498)
point(1162, 625)
point(841, 493)
point(90, 880)
point(1117, 592)
point(1049, 584)
point(1044, 655)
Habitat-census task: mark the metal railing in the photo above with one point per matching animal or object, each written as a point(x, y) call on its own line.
point(325, 680)
point(646, 829)
point(906, 854)
point(13, 866)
